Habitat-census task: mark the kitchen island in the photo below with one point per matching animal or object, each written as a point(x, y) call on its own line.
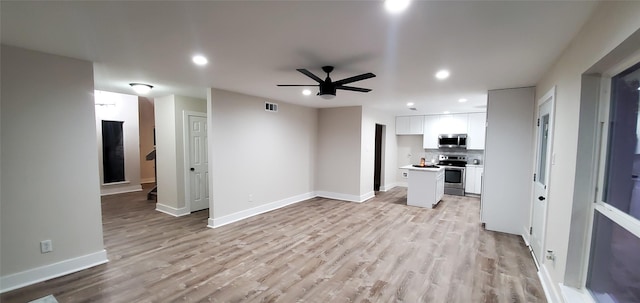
point(425, 187)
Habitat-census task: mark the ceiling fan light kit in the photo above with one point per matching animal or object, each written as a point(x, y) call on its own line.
point(327, 87)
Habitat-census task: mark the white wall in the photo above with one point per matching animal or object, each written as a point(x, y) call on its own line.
point(409, 151)
point(371, 117)
point(170, 150)
point(506, 189)
point(339, 153)
point(121, 108)
point(611, 24)
point(258, 159)
point(166, 157)
point(50, 184)
point(147, 123)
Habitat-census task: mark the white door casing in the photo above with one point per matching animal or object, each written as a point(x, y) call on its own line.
point(540, 201)
point(197, 189)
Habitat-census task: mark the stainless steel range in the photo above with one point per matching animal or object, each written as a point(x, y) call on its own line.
point(454, 166)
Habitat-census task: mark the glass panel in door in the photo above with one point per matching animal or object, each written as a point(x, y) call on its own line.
point(544, 142)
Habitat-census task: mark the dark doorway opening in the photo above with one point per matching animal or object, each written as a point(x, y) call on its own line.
point(377, 168)
point(112, 151)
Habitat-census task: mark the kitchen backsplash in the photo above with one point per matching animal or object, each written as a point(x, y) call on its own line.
point(430, 154)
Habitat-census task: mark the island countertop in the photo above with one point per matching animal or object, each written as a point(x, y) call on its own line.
point(411, 167)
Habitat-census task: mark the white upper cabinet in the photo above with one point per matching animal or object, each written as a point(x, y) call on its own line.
point(454, 124)
point(431, 132)
point(409, 125)
point(476, 131)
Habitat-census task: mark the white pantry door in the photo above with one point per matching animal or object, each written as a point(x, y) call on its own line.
point(199, 164)
point(541, 177)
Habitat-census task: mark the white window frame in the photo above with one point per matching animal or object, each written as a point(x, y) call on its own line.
point(625, 220)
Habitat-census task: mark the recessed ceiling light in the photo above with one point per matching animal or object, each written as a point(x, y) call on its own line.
point(446, 112)
point(396, 6)
point(442, 74)
point(410, 104)
point(462, 100)
point(141, 88)
point(306, 92)
point(200, 60)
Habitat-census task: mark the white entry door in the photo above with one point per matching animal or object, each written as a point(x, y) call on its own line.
point(198, 163)
point(541, 177)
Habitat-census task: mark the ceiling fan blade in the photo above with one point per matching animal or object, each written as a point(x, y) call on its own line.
point(297, 84)
point(354, 79)
point(355, 89)
point(310, 75)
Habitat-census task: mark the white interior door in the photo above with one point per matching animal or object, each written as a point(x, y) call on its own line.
point(198, 163)
point(541, 178)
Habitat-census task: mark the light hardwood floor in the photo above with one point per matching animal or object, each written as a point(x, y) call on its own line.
point(320, 250)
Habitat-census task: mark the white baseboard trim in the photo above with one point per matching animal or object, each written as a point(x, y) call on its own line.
point(367, 196)
point(387, 187)
point(114, 189)
point(346, 197)
point(172, 211)
point(402, 184)
point(547, 285)
point(43, 273)
point(525, 238)
point(243, 214)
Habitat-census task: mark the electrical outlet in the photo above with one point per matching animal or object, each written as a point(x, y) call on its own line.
point(251, 198)
point(46, 246)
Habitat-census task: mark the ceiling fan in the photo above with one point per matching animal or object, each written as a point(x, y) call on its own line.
point(328, 88)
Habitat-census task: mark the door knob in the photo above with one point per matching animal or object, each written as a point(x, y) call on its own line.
point(541, 198)
point(192, 169)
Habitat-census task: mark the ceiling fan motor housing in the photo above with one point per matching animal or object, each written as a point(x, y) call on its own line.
point(327, 89)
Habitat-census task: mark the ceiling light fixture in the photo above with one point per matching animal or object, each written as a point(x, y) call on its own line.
point(410, 104)
point(446, 112)
point(200, 60)
point(396, 6)
point(141, 88)
point(462, 100)
point(306, 92)
point(442, 74)
point(327, 96)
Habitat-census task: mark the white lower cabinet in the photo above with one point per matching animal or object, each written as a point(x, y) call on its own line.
point(473, 179)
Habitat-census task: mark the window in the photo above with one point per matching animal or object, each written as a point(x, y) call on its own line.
point(614, 263)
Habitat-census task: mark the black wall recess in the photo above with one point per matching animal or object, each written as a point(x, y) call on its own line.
point(112, 151)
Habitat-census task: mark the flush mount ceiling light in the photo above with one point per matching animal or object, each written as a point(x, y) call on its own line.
point(442, 74)
point(410, 104)
point(396, 6)
point(306, 92)
point(200, 60)
point(462, 100)
point(446, 112)
point(141, 88)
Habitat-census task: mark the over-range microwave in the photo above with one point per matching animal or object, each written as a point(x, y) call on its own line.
point(452, 141)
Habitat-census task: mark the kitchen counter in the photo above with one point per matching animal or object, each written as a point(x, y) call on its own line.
point(411, 167)
point(425, 186)
point(475, 165)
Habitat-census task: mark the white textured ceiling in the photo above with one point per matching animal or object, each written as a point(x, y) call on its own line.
point(254, 45)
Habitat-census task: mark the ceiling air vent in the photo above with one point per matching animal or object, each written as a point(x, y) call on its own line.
point(413, 108)
point(270, 107)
